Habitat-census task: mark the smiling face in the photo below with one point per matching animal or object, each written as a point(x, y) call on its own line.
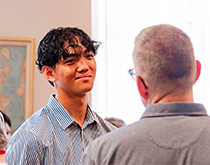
point(75, 74)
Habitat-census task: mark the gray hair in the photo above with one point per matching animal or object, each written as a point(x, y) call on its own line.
point(165, 56)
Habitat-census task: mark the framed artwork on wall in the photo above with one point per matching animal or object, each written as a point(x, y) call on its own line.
point(16, 78)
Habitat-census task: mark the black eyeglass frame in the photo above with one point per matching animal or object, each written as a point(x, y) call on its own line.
point(130, 71)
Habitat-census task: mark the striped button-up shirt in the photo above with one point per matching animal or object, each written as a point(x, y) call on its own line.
point(52, 136)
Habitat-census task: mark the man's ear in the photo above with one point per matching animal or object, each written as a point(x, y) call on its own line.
point(142, 89)
point(198, 70)
point(48, 72)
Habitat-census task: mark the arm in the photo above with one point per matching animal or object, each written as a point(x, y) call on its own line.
point(25, 148)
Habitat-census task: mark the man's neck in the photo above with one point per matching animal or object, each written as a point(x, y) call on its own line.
point(173, 97)
point(76, 106)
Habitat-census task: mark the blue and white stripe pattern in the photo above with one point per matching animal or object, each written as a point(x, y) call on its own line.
point(51, 136)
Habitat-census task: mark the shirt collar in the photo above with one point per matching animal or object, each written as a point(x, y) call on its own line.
point(90, 117)
point(64, 118)
point(174, 109)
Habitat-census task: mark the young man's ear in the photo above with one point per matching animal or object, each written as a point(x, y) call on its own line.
point(198, 70)
point(141, 88)
point(48, 72)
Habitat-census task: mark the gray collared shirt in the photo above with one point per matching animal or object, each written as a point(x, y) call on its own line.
point(167, 134)
point(52, 136)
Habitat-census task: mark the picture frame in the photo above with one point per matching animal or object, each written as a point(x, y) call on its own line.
point(16, 78)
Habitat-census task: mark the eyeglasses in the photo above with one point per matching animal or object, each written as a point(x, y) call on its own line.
point(134, 75)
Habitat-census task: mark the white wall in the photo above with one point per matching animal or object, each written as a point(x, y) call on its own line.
point(119, 96)
point(33, 19)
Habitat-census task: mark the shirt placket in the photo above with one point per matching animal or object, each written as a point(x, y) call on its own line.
point(82, 139)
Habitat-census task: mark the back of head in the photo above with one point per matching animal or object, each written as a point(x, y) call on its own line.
point(164, 56)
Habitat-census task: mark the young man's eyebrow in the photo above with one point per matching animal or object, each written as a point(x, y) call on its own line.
point(73, 54)
point(87, 50)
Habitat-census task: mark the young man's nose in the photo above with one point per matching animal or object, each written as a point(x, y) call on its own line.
point(82, 65)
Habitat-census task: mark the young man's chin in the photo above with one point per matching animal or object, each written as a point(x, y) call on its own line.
point(85, 90)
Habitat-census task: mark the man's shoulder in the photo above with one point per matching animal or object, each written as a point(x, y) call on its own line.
point(26, 141)
point(122, 134)
point(36, 118)
point(118, 139)
point(33, 136)
point(34, 125)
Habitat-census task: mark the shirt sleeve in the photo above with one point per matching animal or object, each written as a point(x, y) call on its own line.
point(25, 148)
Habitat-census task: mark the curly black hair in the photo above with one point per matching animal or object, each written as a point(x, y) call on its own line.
point(50, 49)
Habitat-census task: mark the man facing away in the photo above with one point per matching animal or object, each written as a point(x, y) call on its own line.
point(59, 132)
point(173, 129)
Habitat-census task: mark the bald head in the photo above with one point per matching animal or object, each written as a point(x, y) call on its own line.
point(163, 55)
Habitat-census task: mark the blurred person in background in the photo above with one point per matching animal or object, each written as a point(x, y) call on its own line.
point(115, 121)
point(3, 139)
point(7, 124)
